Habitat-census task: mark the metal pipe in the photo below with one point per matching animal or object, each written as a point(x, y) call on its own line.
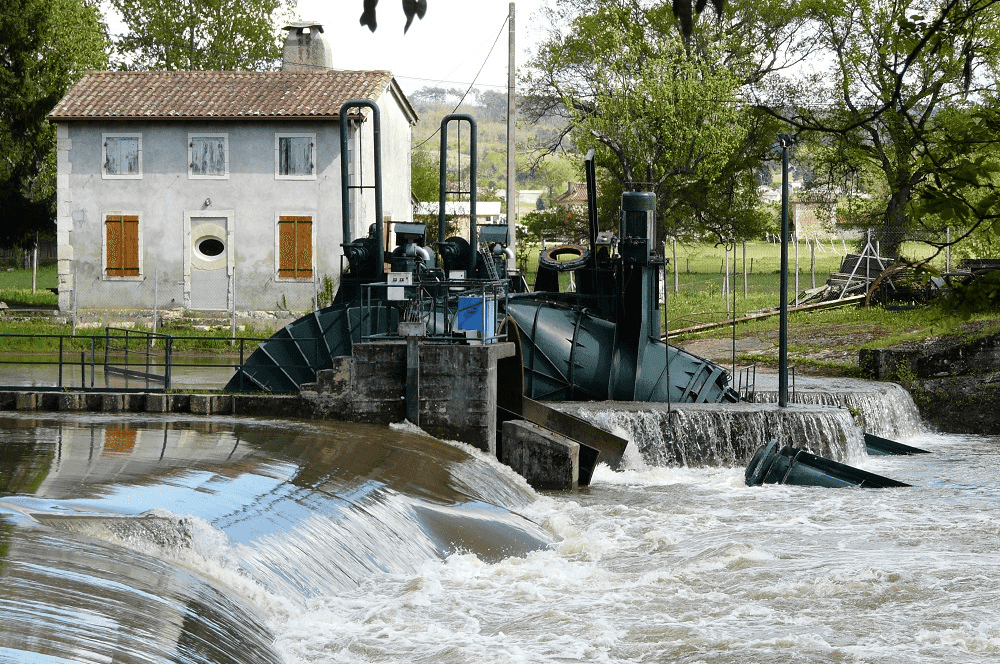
point(786, 142)
point(666, 335)
point(345, 175)
point(473, 177)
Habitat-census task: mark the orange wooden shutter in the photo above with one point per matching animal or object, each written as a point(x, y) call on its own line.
point(295, 247)
point(122, 236)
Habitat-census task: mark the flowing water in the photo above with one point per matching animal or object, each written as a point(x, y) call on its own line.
point(166, 539)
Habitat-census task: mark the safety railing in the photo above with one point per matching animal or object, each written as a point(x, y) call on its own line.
point(746, 382)
point(138, 354)
point(122, 360)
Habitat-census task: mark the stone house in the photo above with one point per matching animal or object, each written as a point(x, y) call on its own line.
point(220, 190)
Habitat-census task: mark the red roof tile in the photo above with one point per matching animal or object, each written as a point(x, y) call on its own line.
point(217, 94)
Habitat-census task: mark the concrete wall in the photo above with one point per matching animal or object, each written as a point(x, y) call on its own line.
point(170, 205)
point(458, 388)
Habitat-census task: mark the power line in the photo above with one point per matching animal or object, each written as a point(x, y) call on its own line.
point(469, 89)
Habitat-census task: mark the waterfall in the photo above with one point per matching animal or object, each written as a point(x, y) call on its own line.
point(724, 434)
point(882, 409)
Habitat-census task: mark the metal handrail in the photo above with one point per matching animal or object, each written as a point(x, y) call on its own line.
point(88, 353)
point(144, 348)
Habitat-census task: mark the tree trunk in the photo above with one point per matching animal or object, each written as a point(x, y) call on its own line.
point(895, 230)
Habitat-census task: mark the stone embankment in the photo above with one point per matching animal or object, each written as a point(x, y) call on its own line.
point(954, 382)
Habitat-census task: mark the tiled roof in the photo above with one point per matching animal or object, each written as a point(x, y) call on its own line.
point(576, 194)
point(217, 94)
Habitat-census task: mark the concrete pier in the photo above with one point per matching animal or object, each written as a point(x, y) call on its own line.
point(457, 388)
point(545, 459)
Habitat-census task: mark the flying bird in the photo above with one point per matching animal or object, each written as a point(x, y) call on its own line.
point(410, 7)
point(413, 8)
point(368, 17)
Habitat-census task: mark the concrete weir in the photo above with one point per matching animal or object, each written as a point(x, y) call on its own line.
point(268, 405)
point(883, 409)
point(826, 416)
point(722, 434)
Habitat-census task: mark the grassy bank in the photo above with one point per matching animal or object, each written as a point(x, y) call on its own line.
point(828, 341)
point(44, 336)
point(16, 291)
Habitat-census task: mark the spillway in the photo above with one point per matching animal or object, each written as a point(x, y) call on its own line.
point(166, 540)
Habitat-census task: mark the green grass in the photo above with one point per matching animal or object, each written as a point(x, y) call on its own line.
point(15, 287)
point(698, 274)
point(42, 336)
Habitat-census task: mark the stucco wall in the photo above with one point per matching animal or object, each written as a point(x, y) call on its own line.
point(246, 205)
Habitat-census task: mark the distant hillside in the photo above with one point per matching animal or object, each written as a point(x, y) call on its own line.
point(489, 109)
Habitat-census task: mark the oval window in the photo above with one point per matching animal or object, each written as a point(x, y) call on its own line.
point(211, 247)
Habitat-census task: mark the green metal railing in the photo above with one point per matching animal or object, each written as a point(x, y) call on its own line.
point(79, 361)
point(126, 349)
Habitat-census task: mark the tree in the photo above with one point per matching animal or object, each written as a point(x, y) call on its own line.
point(559, 223)
point(411, 8)
point(686, 11)
point(901, 73)
point(425, 175)
point(46, 45)
point(662, 114)
point(962, 193)
point(552, 174)
point(201, 34)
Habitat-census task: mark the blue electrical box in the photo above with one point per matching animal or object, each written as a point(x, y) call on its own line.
point(475, 313)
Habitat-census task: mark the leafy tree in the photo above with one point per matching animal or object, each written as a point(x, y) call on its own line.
point(493, 168)
point(493, 105)
point(662, 114)
point(551, 175)
point(962, 193)
point(557, 223)
point(201, 34)
point(902, 76)
point(46, 45)
point(425, 175)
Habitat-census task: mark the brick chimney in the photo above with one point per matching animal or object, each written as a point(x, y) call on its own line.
point(305, 48)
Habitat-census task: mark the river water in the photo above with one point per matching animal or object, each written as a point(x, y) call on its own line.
point(173, 539)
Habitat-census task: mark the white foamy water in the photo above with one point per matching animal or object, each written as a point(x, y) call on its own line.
point(690, 565)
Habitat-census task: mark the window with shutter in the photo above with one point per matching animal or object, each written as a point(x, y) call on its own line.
point(122, 156)
point(295, 156)
point(208, 156)
point(121, 235)
point(295, 247)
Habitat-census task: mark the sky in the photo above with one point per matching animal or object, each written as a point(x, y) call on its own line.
point(444, 49)
point(447, 48)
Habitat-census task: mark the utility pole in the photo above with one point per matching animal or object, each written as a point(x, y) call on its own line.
point(511, 155)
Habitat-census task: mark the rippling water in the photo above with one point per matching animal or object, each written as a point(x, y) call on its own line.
point(306, 542)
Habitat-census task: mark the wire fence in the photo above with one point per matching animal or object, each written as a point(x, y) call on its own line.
point(709, 282)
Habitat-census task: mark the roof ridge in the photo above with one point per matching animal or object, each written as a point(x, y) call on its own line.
point(180, 94)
